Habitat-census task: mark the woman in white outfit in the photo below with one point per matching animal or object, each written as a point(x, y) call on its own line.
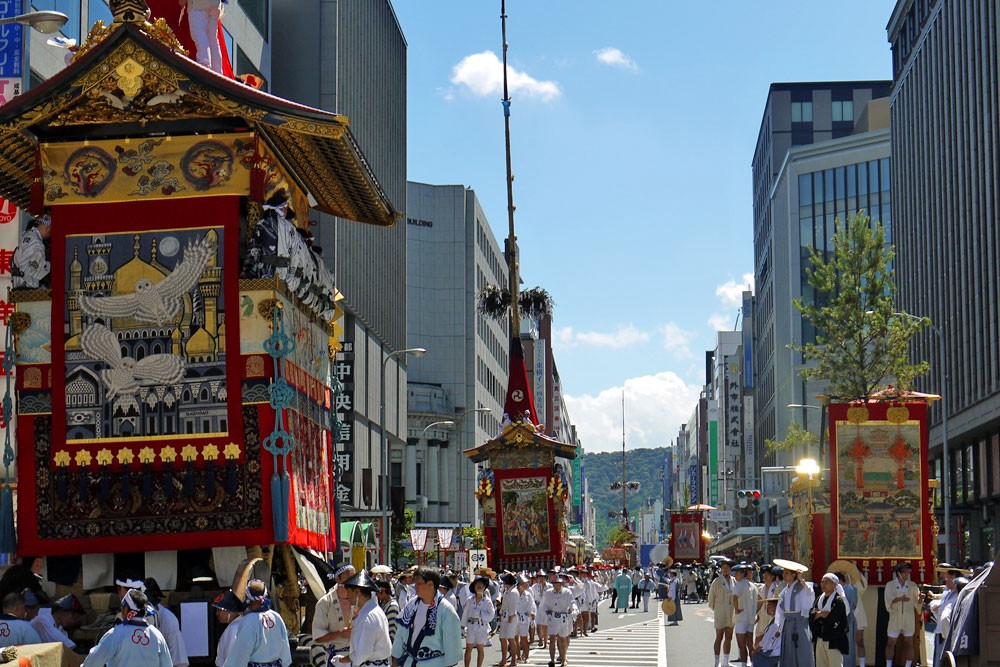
point(476, 617)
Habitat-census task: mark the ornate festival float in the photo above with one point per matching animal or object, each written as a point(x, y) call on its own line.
point(172, 370)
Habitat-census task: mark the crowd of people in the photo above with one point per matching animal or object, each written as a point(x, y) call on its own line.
point(780, 618)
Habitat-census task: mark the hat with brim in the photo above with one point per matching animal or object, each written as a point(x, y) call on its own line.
point(790, 565)
point(508, 579)
point(486, 572)
point(849, 570)
point(485, 581)
point(364, 581)
point(228, 602)
point(131, 583)
point(669, 607)
point(903, 565)
point(945, 567)
point(523, 579)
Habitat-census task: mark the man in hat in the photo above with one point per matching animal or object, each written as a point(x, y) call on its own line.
point(331, 628)
point(794, 603)
point(404, 587)
point(53, 624)
point(132, 642)
point(14, 629)
point(508, 620)
point(901, 599)
point(559, 606)
point(744, 609)
point(428, 631)
point(168, 625)
point(262, 638)
point(674, 594)
point(476, 617)
point(768, 589)
point(720, 601)
point(541, 622)
point(767, 648)
point(829, 624)
point(526, 610)
point(389, 606)
point(942, 607)
point(228, 611)
point(370, 645)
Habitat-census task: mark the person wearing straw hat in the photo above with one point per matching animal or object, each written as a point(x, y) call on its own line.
point(901, 599)
point(942, 607)
point(769, 589)
point(476, 617)
point(720, 601)
point(331, 628)
point(794, 603)
point(559, 605)
point(828, 623)
point(853, 585)
point(132, 642)
point(228, 611)
point(370, 645)
point(674, 595)
point(428, 632)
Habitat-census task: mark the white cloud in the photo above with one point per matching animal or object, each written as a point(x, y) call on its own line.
point(730, 293)
point(676, 340)
point(482, 75)
point(720, 322)
point(655, 407)
point(625, 336)
point(615, 58)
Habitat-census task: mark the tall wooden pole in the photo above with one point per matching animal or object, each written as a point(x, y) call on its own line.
point(624, 501)
point(512, 259)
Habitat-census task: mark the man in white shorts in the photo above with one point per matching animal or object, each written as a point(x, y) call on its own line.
point(526, 609)
point(541, 622)
point(508, 620)
point(901, 599)
point(477, 613)
point(559, 604)
point(744, 610)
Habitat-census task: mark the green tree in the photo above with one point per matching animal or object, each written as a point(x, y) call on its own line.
point(861, 342)
point(401, 532)
point(795, 438)
point(477, 536)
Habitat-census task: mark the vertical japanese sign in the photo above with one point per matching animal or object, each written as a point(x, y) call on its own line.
point(11, 46)
point(343, 368)
point(713, 452)
point(749, 446)
point(538, 370)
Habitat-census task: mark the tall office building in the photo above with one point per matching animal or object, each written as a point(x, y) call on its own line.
point(350, 58)
point(451, 254)
point(945, 108)
point(797, 115)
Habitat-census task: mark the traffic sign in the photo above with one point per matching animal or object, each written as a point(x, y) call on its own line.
point(7, 211)
point(720, 515)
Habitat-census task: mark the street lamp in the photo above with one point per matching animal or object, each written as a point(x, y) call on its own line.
point(386, 522)
point(945, 455)
point(430, 426)
point(44, 22)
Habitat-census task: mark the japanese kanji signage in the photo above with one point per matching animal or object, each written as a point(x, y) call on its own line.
point(11, 43)
point(343, 406)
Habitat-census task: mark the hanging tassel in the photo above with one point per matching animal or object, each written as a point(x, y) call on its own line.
point(147, 482)
point(125, 485)
point(105, 488)
point(168, 481)
point(231, 477)
point(210, 482)
point(62, 486)
point(189, 481)
point(36, 203)
point(82, 486)
point(8, 537)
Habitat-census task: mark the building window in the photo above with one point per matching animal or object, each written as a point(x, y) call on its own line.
point(70, 8)
point(257, 11)
point(843, 111)
point(245, 66)
point(802, 112)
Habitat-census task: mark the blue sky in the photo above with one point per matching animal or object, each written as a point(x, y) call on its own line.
point(633, 128)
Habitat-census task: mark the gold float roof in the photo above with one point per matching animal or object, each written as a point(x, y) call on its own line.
point(519, 435)
point(106, 93)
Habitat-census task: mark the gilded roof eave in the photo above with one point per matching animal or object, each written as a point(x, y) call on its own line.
point(519, 435)
point(316, 145)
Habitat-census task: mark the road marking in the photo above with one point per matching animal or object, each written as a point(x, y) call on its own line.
point(661, 640)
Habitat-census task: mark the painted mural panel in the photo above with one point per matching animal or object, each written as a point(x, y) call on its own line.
point(525, 514)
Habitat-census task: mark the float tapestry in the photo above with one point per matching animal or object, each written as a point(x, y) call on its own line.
point(145, 335)
point(525, 512)
point(879, 490)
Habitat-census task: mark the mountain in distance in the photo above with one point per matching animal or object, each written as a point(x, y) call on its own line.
point(603, 468)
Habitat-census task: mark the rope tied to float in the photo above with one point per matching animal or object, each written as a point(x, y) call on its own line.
point(280, 443)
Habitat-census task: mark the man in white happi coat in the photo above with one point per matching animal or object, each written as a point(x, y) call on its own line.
point(228, 611)
point(508, 620)
point(901, 599)
point(262, 638)
point(370, 645)
point(720, 601)
point(132, 642)
point(559, 604)
point(166, 622)
point(541, 622)
point(14, 629)
point(331, 628)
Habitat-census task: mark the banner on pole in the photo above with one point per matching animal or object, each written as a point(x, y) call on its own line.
point(418, 538)
point(444, 537)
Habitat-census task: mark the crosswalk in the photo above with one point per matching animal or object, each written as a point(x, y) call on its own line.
point(636, 645)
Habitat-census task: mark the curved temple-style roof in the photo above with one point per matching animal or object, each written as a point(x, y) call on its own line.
point(129, 81)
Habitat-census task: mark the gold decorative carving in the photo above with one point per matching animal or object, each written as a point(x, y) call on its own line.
point(20, 322)
point(898, 415)
point(130, 77)
point(32, 378)
point(266, 308)
point(255, 367)
point(857, 415)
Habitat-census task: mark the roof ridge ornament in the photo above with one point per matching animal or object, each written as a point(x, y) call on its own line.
point(129, 11)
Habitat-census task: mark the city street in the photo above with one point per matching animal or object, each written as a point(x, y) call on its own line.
point(690, 643)
point(632, 639)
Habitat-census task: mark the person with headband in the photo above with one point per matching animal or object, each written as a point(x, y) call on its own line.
point(829, 624)
point(428, 632)
point(331, 628)
point(262, 639)
point(228, 611)
point(132, 642)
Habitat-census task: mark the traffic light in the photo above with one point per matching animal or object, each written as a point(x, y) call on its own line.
point(749, 496)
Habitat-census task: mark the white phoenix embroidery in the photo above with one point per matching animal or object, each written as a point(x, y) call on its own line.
point(159, 302)
point(125, 374)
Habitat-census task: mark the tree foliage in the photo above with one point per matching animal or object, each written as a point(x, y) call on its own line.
point(494, 302)
point(603, 468)
point(861, 343)
point(797, 437)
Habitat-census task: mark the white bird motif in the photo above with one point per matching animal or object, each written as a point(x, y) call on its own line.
point(159, 302)
point(166, 98)
point(124, 374)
